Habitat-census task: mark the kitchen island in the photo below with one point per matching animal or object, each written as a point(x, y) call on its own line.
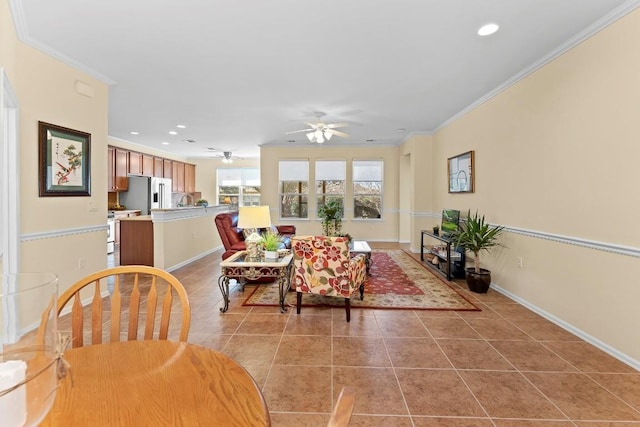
point(170, 238)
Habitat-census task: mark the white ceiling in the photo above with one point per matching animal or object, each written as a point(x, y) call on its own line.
point(239, 74)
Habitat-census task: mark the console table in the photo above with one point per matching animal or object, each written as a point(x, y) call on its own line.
point(454, 260)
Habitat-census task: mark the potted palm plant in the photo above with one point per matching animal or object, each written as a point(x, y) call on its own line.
point(476, 235)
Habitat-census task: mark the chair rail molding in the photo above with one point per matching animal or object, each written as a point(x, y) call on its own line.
point(577, 241)
point(63, 232)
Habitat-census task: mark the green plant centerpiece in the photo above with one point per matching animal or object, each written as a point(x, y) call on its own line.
point(271, 243)
point(476, 235)
point(202, 202)
point(331, 214)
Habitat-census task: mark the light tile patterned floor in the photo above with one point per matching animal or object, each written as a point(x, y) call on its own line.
point(504, 366)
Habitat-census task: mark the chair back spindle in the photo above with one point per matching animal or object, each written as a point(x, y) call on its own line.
point(130, 283)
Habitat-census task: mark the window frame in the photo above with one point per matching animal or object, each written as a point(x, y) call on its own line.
point(356, 195)
point(244, 174)
point(324, 195)
point(301, 195)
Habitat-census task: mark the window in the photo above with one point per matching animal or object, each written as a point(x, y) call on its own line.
point(239, 186)
point(330, 181)
point(367, 188)
point(294, 188)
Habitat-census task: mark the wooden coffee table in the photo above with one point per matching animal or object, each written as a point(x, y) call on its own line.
point(361, 247)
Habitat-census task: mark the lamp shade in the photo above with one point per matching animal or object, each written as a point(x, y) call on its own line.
point(254, 217)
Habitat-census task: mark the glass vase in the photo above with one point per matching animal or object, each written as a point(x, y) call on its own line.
point(28, 347)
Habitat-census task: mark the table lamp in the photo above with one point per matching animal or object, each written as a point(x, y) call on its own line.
point(252, 218)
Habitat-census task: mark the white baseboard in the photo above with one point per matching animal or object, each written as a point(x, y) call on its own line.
point(635, 364)
point(195, 258)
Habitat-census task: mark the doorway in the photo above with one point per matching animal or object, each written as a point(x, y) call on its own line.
point(9, 179)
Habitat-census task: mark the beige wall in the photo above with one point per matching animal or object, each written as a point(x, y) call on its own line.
point(417, 193)
point(58, 233)
point(557, 153)
point(385, 229)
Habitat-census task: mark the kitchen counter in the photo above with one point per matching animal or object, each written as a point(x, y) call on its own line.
point(137, 218)
point(136, 241)
point(123, 212)
point(170, 238)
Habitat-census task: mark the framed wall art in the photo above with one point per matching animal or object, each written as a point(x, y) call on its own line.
point(460, 172)
point(64, 158)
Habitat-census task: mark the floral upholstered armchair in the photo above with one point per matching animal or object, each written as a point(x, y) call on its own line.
point(322, 265)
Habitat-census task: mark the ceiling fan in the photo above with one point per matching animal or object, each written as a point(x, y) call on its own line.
point(319, 132)
point(227, 156)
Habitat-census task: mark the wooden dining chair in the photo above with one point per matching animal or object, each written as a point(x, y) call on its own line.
point(341, 414)
point(131, 291)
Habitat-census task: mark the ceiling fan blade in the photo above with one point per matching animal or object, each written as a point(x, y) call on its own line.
point(337, 125)
point(337, 133)
point(298, 131)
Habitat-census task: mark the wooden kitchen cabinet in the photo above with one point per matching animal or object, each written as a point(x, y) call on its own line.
point(136, 247)
point(135, 163)
point(167, 168)
point(189, 178)
point(117, 216)
point(147, 165)
point(118, 160)
point(177, 183)
point(123, 163)
point(158, 167)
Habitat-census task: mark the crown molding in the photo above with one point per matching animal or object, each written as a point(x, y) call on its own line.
point(594, 28)
point(20, 23)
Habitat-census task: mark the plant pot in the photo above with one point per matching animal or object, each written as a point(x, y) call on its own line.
point(270, 254)
point(478, 282)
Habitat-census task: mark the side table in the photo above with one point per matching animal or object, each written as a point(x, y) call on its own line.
point(240, 266)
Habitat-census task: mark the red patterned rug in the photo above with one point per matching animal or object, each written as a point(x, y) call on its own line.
point(396, 281)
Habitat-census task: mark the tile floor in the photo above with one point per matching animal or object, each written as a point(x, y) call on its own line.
point(503, 366)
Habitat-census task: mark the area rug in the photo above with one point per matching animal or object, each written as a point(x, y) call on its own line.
point(396, 281)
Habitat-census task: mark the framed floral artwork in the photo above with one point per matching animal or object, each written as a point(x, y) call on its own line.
point(64, 158)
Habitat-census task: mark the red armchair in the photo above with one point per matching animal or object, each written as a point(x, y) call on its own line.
point(233, 239)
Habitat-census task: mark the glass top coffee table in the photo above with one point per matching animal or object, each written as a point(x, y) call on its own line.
point(361, 247)
point(239, 266)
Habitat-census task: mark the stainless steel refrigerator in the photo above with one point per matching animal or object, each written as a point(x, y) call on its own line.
point(147, 193)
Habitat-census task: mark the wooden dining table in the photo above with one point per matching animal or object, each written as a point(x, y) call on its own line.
point(155, 383)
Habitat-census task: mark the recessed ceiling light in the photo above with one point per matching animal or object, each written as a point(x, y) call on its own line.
point(133, 132)
point(173, 132)
point(181, 126)
point(400, 129)
point(488, 29)
point(165, 143)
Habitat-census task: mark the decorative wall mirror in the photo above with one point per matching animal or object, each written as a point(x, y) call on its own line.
point(460, 173)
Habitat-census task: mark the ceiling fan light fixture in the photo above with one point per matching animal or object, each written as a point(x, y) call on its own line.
point(310, 136)
point(328, 135)
point(227, 157)
point(488, 29)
